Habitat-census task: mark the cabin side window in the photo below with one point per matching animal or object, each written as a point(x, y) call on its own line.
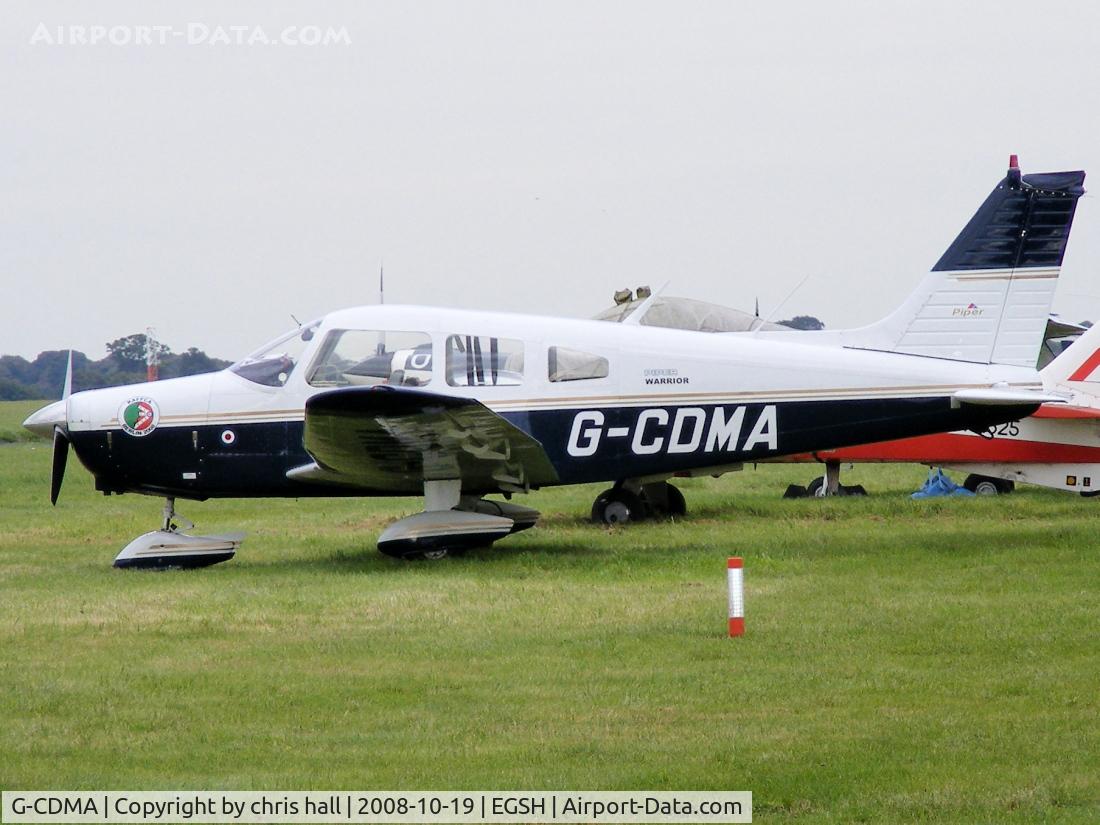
point(364, 357)
point(484, 361)
point(564, 364)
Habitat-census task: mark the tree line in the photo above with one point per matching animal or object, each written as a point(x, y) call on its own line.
point(124, 364)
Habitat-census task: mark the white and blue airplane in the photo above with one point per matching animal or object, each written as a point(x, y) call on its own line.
point(456, 405)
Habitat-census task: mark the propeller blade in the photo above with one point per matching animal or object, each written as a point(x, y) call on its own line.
point(60, 458)
point(68, 390)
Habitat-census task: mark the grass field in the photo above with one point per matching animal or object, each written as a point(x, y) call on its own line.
point(932, 661)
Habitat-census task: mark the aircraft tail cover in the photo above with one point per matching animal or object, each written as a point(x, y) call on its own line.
point(988, 298)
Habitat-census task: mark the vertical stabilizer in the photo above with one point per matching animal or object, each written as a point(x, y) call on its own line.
point(988, 297)
point(1078, 367)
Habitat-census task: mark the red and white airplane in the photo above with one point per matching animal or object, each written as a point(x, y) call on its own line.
point(1057, 446)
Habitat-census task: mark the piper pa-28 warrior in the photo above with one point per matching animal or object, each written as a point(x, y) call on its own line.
point(456, 405)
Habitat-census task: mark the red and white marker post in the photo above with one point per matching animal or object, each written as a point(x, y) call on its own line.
point(735, 575)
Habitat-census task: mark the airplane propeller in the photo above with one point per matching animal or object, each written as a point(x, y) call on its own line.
point(61, 438)
point(60, 458)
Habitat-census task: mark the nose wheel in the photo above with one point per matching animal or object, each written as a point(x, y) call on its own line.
point(171, 521)
point(826, 485)
point(172, 547)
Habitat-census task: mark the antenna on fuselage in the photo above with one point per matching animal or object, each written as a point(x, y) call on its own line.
point(381, 348)
point(778, 306)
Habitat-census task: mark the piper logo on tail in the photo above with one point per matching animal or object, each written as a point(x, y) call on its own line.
point(681, 430)
point(139, 416)
point(971, 310)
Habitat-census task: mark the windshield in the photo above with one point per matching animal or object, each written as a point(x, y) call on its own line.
point(272, 364)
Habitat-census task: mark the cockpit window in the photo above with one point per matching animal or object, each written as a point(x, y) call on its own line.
point(368, 357)
point(484, 361)
point(272, 364)
point(564, 364)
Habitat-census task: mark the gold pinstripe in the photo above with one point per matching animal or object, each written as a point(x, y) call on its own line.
point(635, 400)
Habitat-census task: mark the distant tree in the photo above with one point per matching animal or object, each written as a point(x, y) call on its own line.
point(191, 362)
point(129, 352)
point(44, 377)
point(803, 322)
point(17, 369)
point(49, 372)
point(14, 391)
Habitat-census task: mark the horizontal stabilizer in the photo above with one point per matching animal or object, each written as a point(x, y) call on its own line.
point(996, 397)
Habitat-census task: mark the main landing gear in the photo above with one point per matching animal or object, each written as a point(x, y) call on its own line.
point(988, 486)
point(829, 485)
point(631, 501)
point(826, 485)
point(453, 523)
point(170, 547)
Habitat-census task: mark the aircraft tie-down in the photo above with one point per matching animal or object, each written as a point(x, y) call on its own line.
point(456, 405)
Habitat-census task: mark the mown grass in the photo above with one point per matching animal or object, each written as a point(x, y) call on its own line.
point(12, 414)
point(928, 661)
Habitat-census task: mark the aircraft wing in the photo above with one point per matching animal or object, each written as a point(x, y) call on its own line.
point(394, 439)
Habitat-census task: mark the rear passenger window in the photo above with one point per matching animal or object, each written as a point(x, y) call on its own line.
point(564, 364)
point(484, 361)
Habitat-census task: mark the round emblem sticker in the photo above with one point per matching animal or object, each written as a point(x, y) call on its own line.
point(139, 416)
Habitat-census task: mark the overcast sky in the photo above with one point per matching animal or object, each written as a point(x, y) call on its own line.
point(531, 157)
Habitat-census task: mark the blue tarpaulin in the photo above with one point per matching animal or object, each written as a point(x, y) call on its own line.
point(939, 484)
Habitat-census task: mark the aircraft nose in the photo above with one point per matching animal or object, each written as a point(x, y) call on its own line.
point(42, 422)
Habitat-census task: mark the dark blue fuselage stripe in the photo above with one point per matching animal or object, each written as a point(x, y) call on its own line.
point(255, 464)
